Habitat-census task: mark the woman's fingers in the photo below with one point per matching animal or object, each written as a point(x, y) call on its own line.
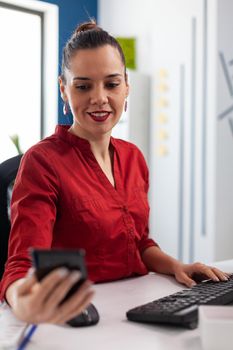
point(77, 299)
point(62, 289)
point(53, 312)
point(78, 310)
point(182, 277)
point(207, 271)
point(187, 273)
point(41, 301)
point(210, 272)
point(74, 305)
point(49, 283)
point(63, 318)
point(222, 276)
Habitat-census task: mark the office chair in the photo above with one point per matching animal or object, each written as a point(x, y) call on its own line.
point(8, 171)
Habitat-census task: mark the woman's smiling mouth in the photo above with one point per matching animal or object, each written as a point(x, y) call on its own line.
point(99, 116)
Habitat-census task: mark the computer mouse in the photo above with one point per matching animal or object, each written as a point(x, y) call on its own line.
point(88, 317)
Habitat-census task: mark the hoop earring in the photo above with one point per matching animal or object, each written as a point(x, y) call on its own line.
point(126, 105)
point(66, 108)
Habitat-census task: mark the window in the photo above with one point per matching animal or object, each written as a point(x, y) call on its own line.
point(29, 70)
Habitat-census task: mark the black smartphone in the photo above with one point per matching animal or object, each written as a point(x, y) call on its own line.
point(46, 260)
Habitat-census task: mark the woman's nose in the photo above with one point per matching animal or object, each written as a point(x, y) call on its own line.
point(99, 96)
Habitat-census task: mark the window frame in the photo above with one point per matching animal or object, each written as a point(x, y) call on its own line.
point(48, 14)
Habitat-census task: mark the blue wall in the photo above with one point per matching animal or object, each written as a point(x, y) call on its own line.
point(71, 13)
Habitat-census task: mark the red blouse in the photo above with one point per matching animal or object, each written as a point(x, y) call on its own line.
point(62, 198)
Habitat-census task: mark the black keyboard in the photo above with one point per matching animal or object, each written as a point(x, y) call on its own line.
point(181, 308)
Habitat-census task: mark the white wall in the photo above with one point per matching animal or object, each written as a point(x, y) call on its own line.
point(140, 19)
point(183, 38)
point(130, 18)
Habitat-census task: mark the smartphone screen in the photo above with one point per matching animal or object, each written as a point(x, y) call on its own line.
point(46, 260)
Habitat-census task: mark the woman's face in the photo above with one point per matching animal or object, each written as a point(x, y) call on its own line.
point(95, 90)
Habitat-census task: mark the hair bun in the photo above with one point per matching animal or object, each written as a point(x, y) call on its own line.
point(87, 26)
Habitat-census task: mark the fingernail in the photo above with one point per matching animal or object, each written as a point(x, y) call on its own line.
point(216, 279)
point(75, 276)
point(30, 271)
point(63, 272)
point(225, 278)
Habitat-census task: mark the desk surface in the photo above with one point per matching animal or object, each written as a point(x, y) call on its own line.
point(114, 332)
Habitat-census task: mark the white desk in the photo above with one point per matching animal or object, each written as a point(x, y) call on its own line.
point(114, 332)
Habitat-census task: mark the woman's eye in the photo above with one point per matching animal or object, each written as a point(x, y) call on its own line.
point(82, 87)
point(112, 85)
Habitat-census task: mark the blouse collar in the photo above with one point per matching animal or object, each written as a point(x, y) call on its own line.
point(83, 144)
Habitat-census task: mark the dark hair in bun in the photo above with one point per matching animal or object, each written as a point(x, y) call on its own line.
point(87, 35)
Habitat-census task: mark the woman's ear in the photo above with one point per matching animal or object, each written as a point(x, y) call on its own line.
point(62, 89)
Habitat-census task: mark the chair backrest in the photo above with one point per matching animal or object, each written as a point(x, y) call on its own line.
point(8, 172)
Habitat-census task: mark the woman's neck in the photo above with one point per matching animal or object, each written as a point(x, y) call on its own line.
point(99, 143)
point(101, 149)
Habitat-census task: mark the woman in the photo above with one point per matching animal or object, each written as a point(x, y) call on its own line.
point(81, 188)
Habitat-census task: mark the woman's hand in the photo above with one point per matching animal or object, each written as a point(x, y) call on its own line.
point(189, 274)
point(39, 302)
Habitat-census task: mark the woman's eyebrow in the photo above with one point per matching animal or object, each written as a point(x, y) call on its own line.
point(81, 78)
point(114, 75)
